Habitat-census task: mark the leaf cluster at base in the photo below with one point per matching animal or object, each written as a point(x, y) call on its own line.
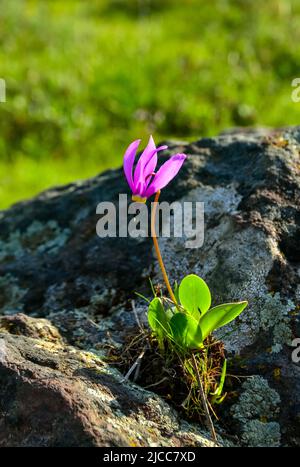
point(171, 374)
point(189, 321)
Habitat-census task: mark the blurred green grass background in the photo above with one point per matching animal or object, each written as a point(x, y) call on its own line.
point(84, 78)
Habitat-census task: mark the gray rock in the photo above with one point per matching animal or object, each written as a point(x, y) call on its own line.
point(258, 405)
point(54, 266)
point(52, 394)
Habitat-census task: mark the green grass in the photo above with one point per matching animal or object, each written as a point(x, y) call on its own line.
point(84, 78)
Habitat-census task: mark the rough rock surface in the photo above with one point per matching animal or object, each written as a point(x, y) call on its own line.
point(55, 395)
point(53, 266)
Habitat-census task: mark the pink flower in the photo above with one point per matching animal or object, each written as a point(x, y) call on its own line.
point(144, 182)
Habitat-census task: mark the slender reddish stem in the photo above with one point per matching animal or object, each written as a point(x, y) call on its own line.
point(157, 250)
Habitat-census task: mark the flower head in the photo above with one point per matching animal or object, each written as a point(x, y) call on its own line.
point(144, 181)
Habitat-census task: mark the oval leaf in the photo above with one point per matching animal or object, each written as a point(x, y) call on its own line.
point(219, 316)
point(157, 318)
point(186, 331)
point(171, 312)
point(194, 295)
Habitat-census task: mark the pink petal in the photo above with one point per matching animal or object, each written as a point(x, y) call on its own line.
point(166, 173)
point(129, 157)
point(146, 166)
point(145, 158)
point(151, 165)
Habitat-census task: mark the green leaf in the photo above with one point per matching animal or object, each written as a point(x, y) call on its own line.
point(194, 295)
point(152, 287)
point(186, 331)
point(142, 296)
point(218, 392)
point(157, 318)
point(170, 312)
point(176, 291)
point(219, 316)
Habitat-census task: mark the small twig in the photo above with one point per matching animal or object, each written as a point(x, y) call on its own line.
point(137, 370)
point(133, 367)
point(136, 316)
point(187, 399)
point(156, 384)
point(209, 422)
point(210, 406)
point(93, 323)
point(135, 340)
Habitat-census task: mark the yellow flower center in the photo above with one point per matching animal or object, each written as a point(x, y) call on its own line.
point(138, 199)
